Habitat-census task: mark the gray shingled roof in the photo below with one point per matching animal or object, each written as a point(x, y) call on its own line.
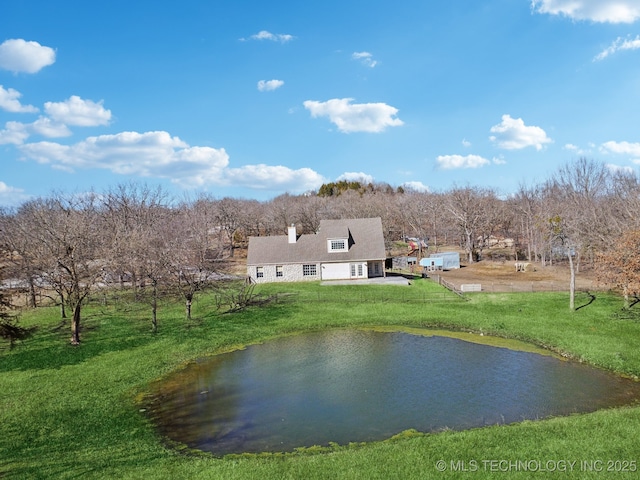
point(368, 244)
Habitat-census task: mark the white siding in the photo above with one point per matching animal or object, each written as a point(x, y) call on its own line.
point(325, 271)
point(290, 273)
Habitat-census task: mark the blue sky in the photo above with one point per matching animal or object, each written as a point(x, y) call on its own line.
point(253, 99)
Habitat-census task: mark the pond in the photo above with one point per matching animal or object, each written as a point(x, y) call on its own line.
point(365, 385)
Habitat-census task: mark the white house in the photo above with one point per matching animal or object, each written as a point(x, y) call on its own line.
point(340, 250)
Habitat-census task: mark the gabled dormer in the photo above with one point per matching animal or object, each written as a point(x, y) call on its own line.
point(339, 240)
point(337, 245)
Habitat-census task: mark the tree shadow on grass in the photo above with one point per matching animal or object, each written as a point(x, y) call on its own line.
point(592, 298)
point(100, 335)
point(55, 351)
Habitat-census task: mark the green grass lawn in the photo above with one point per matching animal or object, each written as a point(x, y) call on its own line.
point(74, 412)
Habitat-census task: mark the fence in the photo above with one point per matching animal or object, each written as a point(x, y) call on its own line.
point(506, 286)
point(448, 285)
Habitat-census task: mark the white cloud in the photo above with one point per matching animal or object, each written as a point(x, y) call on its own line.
point(361, 177)
point(159, 155)
point(78, 112)
point(365, 58)
point(18, 132)
point(17, 55)
point(269, 85)
point(49, 128)
point(449, 162)
point(466, 143)
point(619, 168)
point(73, 111)
point(14, 133)
point(11, 196)
point(266, 177)
point(600, 11)
point(274, 37)
point(617, 45)
point(9, 101)
point(621, 148)
point(130, 153)
point(416, 187)
point(577, 150)
point(356, 117)
point(513, 134)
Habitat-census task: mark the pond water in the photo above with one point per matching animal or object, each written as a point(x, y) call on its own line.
point(361, 385)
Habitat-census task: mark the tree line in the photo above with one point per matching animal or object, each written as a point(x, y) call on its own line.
point(136, 236)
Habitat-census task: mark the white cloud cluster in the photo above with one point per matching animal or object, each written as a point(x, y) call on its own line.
point(365, 58)
point(151, 154)
point(355, 117)
point(513, 134)
point(600, 11)
point(617, 45)
point(268, 177)
point(361, 177)
point(11, 195)
point(74, 111)
point(578, 150)
point(450, 162)
point(13, 133)
point(20, 56)
point(9, 101)
point(274, 37)
point(621, 148)
point(78, 112)
point(269, 85)
point(159, 155)
point(628, 149)
point(416, 186)
point(619, 168)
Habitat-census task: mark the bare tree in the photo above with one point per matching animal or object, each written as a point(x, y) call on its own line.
point(578, 191)
point(23, 256)
point(69, 234)
point(467, 207)
point(193, 259)
point(625, 202)
point(137, 218)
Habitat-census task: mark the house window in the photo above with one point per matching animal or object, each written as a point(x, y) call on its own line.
point(376, 268)
point(259, 272)
point(308, 270)
point(279, 271)
point(337, 245)
point(360, 270)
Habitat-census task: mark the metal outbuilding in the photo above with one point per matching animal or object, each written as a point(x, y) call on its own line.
point(450, 260)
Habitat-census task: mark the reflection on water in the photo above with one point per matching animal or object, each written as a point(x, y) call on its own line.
point(352, 386)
